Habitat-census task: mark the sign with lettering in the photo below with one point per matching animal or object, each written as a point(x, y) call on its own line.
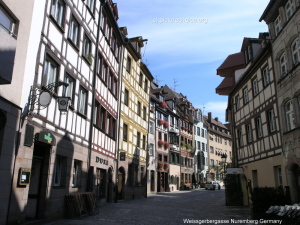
point(234, 171)
point(101, 161)
point(45, 136)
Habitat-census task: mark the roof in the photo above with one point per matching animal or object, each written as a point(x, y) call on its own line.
point(232, 60)
point(225, 86)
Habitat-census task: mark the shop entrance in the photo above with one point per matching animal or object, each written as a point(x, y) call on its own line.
point(38, 182)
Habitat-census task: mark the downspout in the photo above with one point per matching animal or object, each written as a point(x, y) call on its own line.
point(102, 3)
point(119, 118)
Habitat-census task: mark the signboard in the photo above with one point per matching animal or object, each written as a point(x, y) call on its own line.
point(45, 136)
point(122, 156)
point(24, 176)
point(234, 171)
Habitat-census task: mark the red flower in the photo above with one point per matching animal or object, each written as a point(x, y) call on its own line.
point(160, 122)
point(166, 145)
point(160, 143)
point(166, 124)
point(163, 105)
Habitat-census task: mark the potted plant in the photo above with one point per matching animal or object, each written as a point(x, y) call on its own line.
point(166, 166)
point(163, 104)
point(160, 164)
point(160, 122)
point(160, 143)
point(166, 124)
point(90, 58)
point(166, 144)
point(152, 110)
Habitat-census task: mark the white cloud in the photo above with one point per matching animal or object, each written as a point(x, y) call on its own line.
point(217, 109)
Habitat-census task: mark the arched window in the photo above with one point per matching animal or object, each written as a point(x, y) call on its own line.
point(289, 115)
point(283, 67)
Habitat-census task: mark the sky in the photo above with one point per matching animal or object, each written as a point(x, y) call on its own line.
point(189, 40)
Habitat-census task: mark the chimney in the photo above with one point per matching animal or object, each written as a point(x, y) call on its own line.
point(217, 119)
point(209, 117)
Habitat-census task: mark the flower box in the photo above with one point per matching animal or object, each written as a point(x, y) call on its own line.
point(166, 124)
point(166, 145)
point(160, 122)
point(163, 105)
point(160, 143)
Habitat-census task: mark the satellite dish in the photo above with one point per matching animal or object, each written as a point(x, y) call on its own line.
point(45, 99)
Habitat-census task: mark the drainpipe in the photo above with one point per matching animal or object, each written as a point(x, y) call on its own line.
point(102, 3)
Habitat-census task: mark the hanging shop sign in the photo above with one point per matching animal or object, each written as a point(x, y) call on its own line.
point(45, 136)
point(122, 156)
point(101, 161)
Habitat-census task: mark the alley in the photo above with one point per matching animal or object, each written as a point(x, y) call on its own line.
point(167, 208)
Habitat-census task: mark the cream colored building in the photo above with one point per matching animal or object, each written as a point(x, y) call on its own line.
point(282, 18)
point(134, 121)
point(219, 144)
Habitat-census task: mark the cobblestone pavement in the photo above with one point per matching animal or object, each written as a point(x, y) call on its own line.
point(167, 208)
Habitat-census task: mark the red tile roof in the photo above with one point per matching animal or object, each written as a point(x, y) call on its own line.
point(233, 60)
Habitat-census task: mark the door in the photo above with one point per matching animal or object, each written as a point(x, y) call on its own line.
point(34, 186)
point(120, 186)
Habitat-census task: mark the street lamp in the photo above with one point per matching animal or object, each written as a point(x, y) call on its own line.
point(224, 158)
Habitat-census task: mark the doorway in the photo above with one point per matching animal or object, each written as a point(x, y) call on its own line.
point(36, 202)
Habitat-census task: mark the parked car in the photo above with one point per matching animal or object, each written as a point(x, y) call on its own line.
point(213, 185)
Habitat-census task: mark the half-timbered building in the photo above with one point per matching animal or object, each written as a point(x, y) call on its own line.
point(253, 112)
point(69, 130)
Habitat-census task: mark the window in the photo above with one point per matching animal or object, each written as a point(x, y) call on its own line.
point(283, 68)
point(271, 118)
point(278, 176)
point(246, 96)
point(249, 52)
point(90, 4)
point(146, 86)
point(289, 116)
point(278, 26)
point(50, 71)
point(139, 109)
point(128, 64)
point(258, 128)
point(237, 103)
point(249, 133)
point(138, 139)
point(125, 131)
point(57, 11)
point(240, 138)
point(141, 79)
point(255, 87)
point(198, 131)
point(74, 31)
point(144, 113)
point(202, 132)
point(82, 101)
point(76, 173)
point(296, 51)
point(102, 118)
point(266, 76)
point(70, 89)
point(87, 47)
point(142, 175)
point(212, 162)
point(112, 127)
point(113, 43)
point(107, 31)
point(126, 97)
point(151, 127)
point(144, 142)
point(289, 9)
point(7, 22)
point(57, 174)
point(104, 73)
point(203, 147)
point(151, 149)
point(211, 149)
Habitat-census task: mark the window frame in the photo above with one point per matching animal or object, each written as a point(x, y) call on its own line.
point(266, 76)
point(249, 133)
point(53, 79)
point(86, 52)
point(73, 21)
point(246, 95)
point(277, 25)
point(71, 85)
point(289, 116)
point(295, 51)
point(125, 132)
point(289, 9)
point(128, 64)
point(259, 131)
point(76, 173)
point(271, 120)
point(54, 7)
point(255, 87)
point(81, 104)
point(13, 23)
point(283, 64)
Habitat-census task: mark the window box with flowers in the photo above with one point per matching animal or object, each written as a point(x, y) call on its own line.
point(160, 164)
point(160, 143)
point(160, 122)
point(190, 131)
point(163, 105)
point(166, 166)
point(152, 110)
point(166, 145)
point(166, 124)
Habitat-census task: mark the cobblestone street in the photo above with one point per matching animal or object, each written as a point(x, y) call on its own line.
point(167, 208)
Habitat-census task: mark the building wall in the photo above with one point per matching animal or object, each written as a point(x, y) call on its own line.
point(288, 88)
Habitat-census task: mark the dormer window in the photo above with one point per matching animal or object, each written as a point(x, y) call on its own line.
point(161, 98)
